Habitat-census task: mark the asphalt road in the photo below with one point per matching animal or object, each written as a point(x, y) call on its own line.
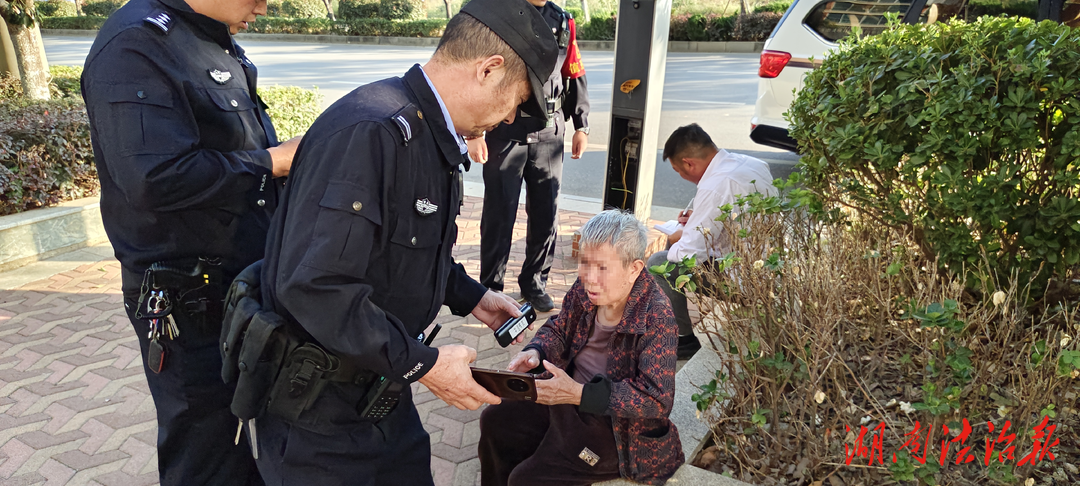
point(716, 91)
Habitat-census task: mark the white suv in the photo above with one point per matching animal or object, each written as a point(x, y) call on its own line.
point(806, 33)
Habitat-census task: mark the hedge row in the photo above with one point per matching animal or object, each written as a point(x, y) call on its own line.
point(752, 27)
point(72, 23)
point(57, 8)
point(697, 28)
point(357, 9)
point(45, 153)
point(364, 27)
point(102, 8)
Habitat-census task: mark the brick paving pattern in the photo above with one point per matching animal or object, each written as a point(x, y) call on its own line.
point(75, 408)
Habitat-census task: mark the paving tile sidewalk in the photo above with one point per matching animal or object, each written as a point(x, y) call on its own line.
point(75, 408)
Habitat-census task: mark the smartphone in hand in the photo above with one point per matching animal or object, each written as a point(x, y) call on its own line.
point(507, 385)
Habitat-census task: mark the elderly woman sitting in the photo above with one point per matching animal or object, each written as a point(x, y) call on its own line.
point(611, 352)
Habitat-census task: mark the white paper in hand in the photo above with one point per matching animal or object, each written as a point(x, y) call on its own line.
point(669, 228)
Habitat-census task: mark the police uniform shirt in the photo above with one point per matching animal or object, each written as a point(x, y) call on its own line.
point(179, 138)
point(360, 249)
point(574, 92)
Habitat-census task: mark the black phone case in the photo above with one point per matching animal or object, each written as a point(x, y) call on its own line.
point(507, 385)
point(513, 328)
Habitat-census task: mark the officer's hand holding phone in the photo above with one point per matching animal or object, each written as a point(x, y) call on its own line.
point(452, 382)
point(495, 308)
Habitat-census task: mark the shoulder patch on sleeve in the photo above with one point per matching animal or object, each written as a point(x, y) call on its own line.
point(161, 20)
point(407, 120)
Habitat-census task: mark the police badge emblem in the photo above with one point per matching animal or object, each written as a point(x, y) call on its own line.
point(425, 207)
point(219, 77)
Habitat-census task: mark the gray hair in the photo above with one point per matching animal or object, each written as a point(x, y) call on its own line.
point(619, 229)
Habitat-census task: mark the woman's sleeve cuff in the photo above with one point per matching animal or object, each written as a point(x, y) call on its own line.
point(595, 395)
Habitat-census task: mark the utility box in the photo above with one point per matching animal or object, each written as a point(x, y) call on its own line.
point(641, 41)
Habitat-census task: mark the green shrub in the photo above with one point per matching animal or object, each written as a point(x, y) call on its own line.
point(64, 83)
point(357, 9)
point(45, 154)
point(303, 9)
point(56, 8)
point(273, 8)
point(701, 27)
point(361, 27)
point(755, 27)
point(72, 23)
point(965, 135)
point(291, 108)
point(420, 28)
point(776, 7)
point(9, 87)
point(721, 29)
point(102, 8)
point(688, 27)
point(978, 8)
point(695, 28)
point(281, 25)
point(401, 9)
point(576, 13)
point(598, 28)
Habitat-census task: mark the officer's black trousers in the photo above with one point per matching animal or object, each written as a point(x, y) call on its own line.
point(395, 451)
point(195, 427)
point(527, 444)
point(540, 165)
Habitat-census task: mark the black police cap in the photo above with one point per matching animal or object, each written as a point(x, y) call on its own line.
point(521, 26)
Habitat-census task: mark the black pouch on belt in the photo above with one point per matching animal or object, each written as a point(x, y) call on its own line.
point(300, 381)
point(259, 364)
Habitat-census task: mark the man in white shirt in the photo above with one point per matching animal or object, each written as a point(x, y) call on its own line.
point(721, 177)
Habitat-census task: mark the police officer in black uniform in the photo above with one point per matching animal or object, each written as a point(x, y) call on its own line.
point(187, 159)
point(359, 258)
point(531, 150)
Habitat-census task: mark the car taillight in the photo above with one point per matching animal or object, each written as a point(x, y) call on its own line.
point(772, 62)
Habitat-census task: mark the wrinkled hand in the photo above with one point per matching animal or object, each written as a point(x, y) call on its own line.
point(578, 144)
point(559, 389)
point(478, 150)
point(282, 156)
point(451, 379)
point(684, 216)
point(525, 361)
point(495, 308)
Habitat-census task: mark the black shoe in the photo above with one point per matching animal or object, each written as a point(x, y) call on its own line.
point(688, 346)
point(541, 302)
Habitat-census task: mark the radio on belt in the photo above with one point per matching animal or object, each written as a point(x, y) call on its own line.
point(513, 328)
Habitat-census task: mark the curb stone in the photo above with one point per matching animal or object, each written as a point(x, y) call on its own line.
point(38, 234)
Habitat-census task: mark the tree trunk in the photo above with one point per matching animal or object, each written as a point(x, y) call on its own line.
point(585, 11)
point(33, 70)
point(448, 8)
point(744, 7)
point(329, 9)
